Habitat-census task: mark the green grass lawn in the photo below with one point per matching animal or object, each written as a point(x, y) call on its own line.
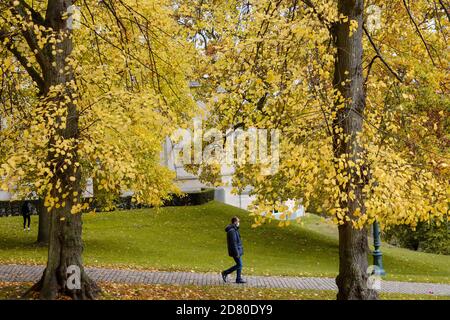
point(193, 238)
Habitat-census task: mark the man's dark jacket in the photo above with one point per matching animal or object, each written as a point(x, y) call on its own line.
point(26, 209)
point(235, 248)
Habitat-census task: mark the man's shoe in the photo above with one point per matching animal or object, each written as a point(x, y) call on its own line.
point(224, 276)
point(241, 281)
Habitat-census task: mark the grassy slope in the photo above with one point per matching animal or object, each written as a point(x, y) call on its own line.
point(193, 238)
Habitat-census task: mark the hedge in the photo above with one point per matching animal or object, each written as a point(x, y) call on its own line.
point(12, 208)
point(191, 199)
point(186, 199)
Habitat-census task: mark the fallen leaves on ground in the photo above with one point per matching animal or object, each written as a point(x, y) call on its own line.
point(119, 291)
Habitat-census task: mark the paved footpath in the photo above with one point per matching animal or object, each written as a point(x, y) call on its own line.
point(25, 273)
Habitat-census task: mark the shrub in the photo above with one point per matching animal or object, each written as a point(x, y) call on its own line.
point(191, 199)
point(428, 237)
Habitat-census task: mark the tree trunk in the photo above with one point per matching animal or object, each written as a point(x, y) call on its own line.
point(348, 80)
point(352, 278)
point(44, 224)
point(65, 251)
point(64, 274)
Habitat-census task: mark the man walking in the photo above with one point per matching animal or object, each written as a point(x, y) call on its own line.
point(26, 214)
point(235, 250)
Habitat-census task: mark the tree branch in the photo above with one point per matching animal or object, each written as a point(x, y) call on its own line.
point(321, 18)
point(36, 16)
point(370, 67)
point(32, 72)
point(380, 56)
point(30, 37)
point(445, 9)
point(418, 31)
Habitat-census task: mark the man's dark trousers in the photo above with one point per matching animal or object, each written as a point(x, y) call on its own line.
point(237, 268)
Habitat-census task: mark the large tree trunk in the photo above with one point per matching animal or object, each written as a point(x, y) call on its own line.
point(348, 79)
point(65, 250)
point(65, 244)
point(352, 278)
point(44, 224)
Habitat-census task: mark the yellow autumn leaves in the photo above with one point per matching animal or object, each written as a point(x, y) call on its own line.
point(128, 95)
point(276, 68)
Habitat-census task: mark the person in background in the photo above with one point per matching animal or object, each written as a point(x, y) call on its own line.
point(235, 250)
point(26, 211)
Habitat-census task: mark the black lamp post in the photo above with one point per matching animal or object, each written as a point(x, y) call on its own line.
point(377, 255)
